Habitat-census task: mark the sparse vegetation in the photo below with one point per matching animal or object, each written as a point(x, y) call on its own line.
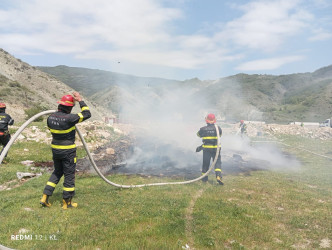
point(35, 110)
point(263, 210)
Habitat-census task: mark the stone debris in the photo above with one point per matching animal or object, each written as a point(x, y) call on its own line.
point(325, 243)
point(110, 151)
point(21, 175)
point(27, 163)
point(312, 132)
point(96, 134)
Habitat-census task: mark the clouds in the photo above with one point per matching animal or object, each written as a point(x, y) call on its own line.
point(81, 25)
point(268, 64)
point(265, 25)
point(149, 32)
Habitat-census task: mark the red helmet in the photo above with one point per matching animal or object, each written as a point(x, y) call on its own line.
point(210, 118)
point(67, 100)
point(242, 121)
point(2, 105)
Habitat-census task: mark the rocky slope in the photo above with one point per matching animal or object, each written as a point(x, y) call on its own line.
point(24, 86)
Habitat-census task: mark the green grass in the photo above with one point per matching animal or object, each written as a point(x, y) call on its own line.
point(264, 210)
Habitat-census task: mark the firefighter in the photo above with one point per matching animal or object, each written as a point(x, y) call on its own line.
point(243, 128)
point(62, 127)
point(5, 120)
point(210, 144)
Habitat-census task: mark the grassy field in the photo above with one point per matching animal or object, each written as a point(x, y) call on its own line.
point(263, 210)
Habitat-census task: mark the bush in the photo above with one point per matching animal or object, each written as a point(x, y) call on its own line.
point(33, 111)
point(14, 85)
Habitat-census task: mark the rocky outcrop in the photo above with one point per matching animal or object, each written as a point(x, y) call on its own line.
point(37, 87)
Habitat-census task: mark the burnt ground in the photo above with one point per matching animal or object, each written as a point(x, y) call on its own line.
point(135, 157)
point(131, 156)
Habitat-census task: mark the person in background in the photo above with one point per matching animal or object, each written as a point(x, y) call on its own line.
point(62, 127)
point(209, 137)
point(243, 128)
point(5, 120)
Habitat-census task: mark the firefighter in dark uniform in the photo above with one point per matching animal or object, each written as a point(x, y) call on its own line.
point(243, 128)
point(210, 141)
point(5, 120)
point(62, 126)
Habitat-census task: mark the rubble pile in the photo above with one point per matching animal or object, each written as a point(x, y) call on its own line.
point(96, 134)
point(311, 132)
point(108, 157)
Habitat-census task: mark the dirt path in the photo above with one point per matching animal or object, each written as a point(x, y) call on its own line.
point(189, 219)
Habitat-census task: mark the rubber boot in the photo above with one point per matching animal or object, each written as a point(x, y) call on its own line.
point(219, 180)
point(67, 203)
point(44, 201)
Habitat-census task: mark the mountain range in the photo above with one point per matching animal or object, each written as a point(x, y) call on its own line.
point(281, 99)
point(270, 98)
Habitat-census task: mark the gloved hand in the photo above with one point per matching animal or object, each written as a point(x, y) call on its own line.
point(199, 148)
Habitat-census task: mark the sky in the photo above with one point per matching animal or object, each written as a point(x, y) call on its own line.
point(173, 39)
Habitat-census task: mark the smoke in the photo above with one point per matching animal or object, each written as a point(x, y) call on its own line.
point(167, 117)
point(266, 155)
point(166, 114)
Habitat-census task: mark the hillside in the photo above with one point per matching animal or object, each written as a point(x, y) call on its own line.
point(103, 87)
point(24, 87)
point(284, 98)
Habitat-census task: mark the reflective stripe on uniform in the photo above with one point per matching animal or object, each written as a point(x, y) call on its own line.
point(68, 189)
point(210, 146)
point(217, 170)
point(81, 117)
point(51, 184)
point(55, 131)
point(75, 160)
point(63, 146)
point(85, 108)
point(210, 138)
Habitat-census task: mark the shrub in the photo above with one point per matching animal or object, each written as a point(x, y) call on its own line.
point(33, 111)
point(14, 85)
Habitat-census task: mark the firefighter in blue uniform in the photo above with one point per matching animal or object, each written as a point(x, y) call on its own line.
point(210, 141)
point(5, 120)
point(62, 127)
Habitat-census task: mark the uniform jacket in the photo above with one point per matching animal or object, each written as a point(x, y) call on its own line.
point(5, 120)
point(62, 127)
point(209, 135)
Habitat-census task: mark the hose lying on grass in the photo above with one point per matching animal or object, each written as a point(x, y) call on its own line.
point(19, 131)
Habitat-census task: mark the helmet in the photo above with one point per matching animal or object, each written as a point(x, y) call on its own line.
point(67, 100)
point(242, 121)
point(2, 105)
point(210, 118)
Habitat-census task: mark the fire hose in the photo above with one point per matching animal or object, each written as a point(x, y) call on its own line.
point(19, 131)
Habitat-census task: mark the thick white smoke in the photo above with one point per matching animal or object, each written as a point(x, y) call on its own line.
point(166, 119)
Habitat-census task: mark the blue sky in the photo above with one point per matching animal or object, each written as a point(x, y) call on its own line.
point(174, 39)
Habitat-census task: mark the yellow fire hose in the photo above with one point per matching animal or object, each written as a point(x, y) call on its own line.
point(19, 131)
